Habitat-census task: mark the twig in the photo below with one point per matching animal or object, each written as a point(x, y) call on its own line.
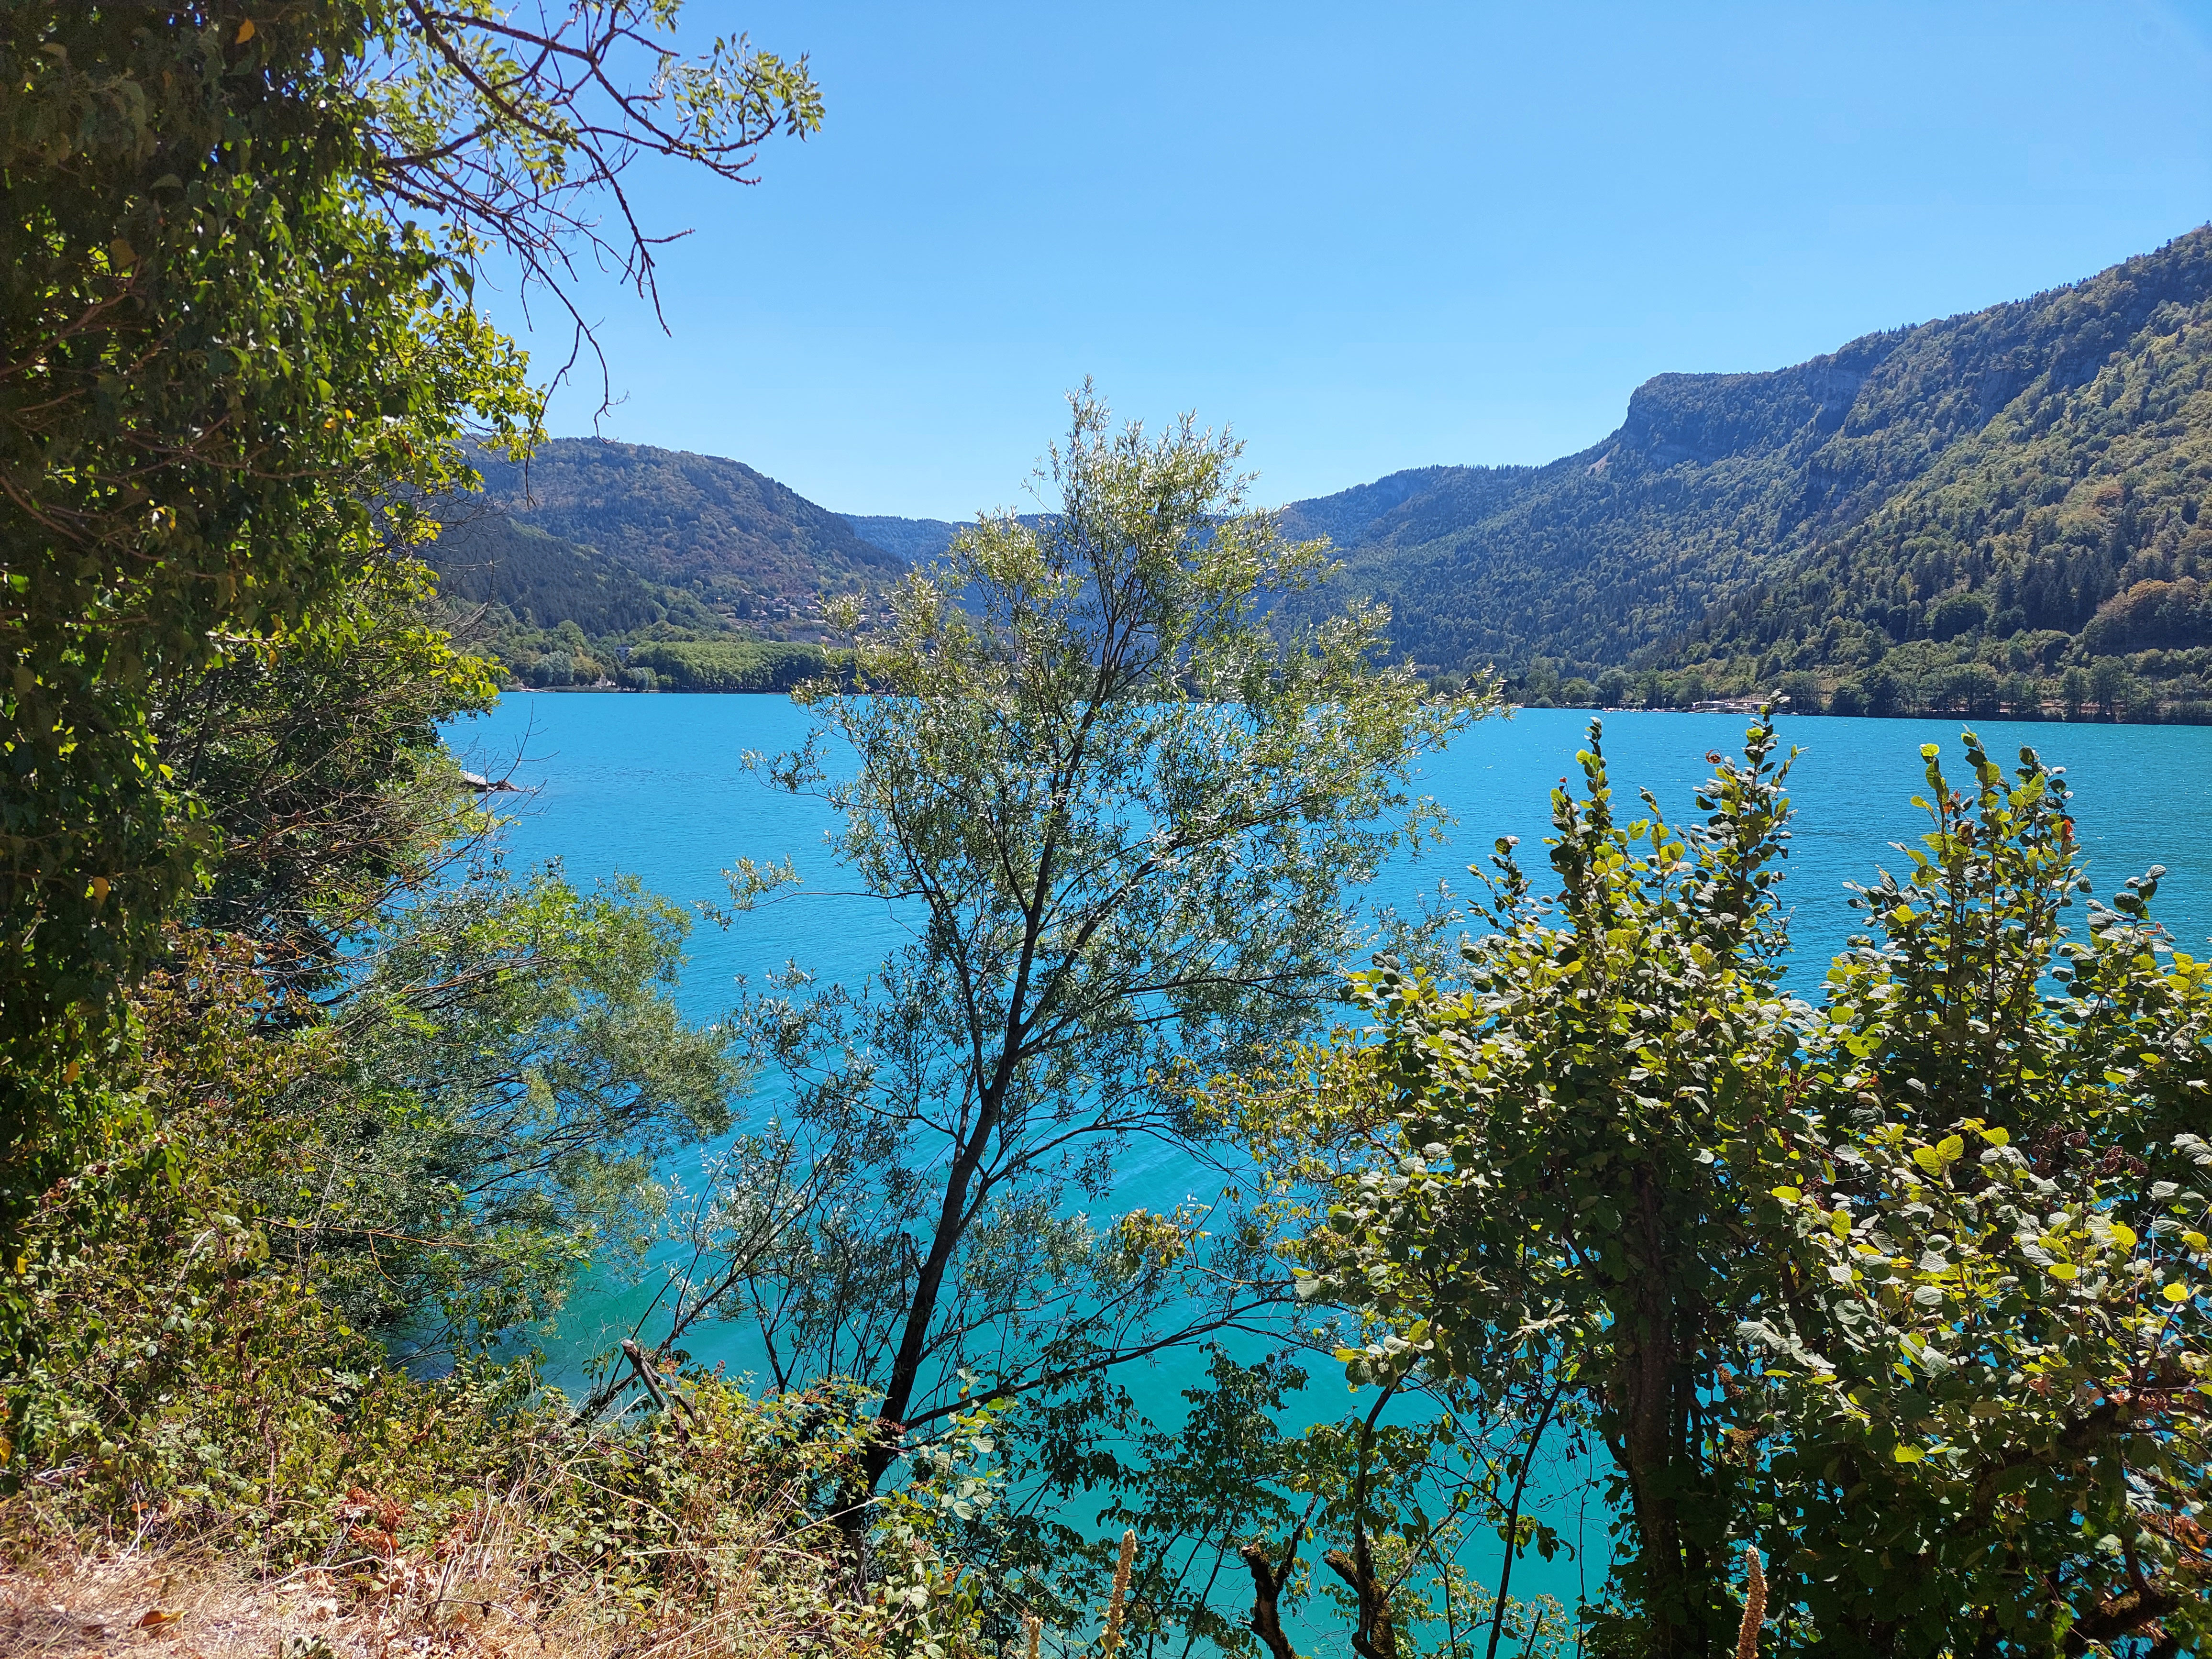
point(648, 1375)
point(1513, 1517)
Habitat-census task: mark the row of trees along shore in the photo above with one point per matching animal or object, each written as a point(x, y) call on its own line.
point(1910, 682)
point(1870, 1322)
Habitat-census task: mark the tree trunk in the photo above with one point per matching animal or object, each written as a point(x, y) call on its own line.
point(1267, 1582)
point(1375, 1636)
point(1653, 1433)
point(914, 1340)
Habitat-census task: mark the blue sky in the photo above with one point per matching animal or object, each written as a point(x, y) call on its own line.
point(1367, 237)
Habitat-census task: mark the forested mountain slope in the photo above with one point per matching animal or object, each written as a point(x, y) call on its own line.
point(917, 541)
point(2079, 507)
point(751, 548)
point(485, 558)
point(1995, 474)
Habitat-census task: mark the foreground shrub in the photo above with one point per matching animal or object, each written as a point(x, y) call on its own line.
point(191, 1396)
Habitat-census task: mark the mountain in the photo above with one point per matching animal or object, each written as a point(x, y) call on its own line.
point(2009, 510)
point(745, 546)
point(917, 541)
point(2000, 474)
point(485, 558)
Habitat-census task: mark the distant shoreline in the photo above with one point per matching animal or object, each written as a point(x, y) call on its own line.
point(1739, 707)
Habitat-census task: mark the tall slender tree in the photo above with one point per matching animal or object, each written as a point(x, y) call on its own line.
point(1121, 813)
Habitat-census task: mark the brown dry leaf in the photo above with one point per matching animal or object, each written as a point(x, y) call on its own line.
point(155, 1617)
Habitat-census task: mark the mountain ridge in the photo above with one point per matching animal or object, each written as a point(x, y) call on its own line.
point(1641, 549)
point(749, 548)
point(2002, 497)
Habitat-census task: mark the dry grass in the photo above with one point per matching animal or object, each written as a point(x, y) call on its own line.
point(466, 1599)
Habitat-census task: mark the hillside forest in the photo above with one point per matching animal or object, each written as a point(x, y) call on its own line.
point(2000, 512)
point(1870, 1318)
point(1996, 513)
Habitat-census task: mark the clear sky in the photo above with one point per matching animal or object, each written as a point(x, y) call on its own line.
point(1368, 237)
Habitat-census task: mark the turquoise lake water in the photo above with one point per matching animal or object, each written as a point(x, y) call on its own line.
point(655, 787)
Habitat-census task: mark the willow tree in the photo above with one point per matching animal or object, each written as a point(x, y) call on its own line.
point(1121, 809)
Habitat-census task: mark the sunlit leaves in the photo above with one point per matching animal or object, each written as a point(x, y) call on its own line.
point(2006, 1328)
point(1960, 1213)
point(1123, 804)
point(1564, 1146)
point(227, 379)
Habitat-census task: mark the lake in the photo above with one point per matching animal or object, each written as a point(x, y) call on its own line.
point(655, 787)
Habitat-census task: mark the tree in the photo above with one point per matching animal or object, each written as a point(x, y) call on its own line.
point(1993, 1345)
point(1972, 689)
point(217, 359)
point(2074, 690)
point(1920, 1275)
point(318, 765)
point(1884, 696)
point(489, 1096)
point(2110, 685)
point(482, 1068)
point(1120, 814)
point(232, 365)
point(1561, 1215)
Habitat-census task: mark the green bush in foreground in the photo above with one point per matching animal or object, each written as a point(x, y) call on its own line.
point(1910, 1288)
point(193, 1394)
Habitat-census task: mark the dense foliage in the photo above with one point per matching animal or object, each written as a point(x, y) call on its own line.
point(1999, 1385)
point(223, 368)
point(737, 665)
point(1124, 816)
point(210, 1286)
point(1907, 1289)
point(239, 365)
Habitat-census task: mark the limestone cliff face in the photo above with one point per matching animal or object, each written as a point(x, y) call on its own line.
point(1703, 419)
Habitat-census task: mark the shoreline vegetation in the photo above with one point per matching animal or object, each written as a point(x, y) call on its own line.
point(784, 668)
